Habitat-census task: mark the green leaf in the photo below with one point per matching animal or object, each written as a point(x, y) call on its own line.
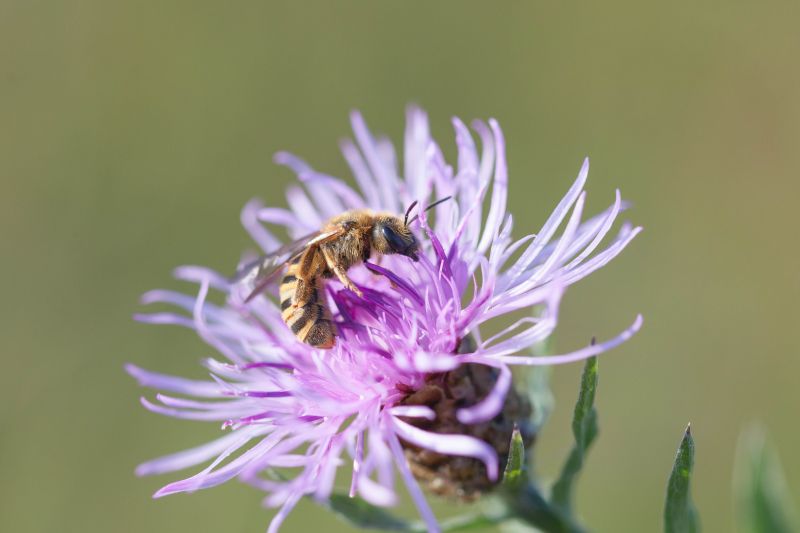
point(478, 522)
point(584, 430)
point(762, 496)
point(365, 515)
point(537, 381)
point(680, 515)
point(530, 511)
point(515, 475)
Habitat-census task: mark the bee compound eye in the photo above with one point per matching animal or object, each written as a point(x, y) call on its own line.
point(396, 243)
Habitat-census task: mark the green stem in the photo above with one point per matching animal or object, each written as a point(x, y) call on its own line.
point(529, 506)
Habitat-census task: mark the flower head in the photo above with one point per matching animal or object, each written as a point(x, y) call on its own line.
point(371, 402)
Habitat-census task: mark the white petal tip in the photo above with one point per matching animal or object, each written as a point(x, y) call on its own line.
point(356, 116)
point(160, 494)
point(149, 297)
point(280, 157)
point(465, 417)
point(145, 470)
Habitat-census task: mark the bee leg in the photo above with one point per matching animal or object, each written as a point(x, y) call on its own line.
point(346, 281)
point(340, 273)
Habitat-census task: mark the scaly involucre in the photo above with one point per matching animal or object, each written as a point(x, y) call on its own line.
point(285, 405)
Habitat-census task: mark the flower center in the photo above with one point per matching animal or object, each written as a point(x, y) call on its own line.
point(463, 478)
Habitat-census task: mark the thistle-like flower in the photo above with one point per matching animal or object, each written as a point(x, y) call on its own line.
point(411, 385)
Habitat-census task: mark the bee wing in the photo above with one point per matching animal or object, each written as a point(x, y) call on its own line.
point(257, 274)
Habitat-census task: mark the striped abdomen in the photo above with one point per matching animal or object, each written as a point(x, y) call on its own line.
point(304, 311)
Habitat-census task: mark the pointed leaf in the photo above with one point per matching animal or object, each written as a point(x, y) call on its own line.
point(537, 380)
point(515, 475)
point(584, 429)
point(478, 522)
point(530, 511)
point(762, 496)
point(537, 385)
point(680, 515)
point(364, 515)
point(539, 393)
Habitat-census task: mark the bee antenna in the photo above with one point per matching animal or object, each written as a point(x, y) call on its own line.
point(408, 211)
point(434, 204)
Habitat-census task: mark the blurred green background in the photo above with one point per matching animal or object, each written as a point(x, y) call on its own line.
point(131, 133)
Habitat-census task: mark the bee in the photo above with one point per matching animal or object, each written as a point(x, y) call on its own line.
point(344, 241)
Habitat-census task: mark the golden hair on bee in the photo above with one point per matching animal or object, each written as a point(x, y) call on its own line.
point(344, 241)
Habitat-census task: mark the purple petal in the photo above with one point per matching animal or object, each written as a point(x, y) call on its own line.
point(400, 283)
point(279, 217)
point(540, 274)
point(485, 173)
point(346, 198)
point(414, 491)
point(470, 225)
point(205, 332)
point(259, 233)
point(602, 230)
point(417, 137)
point(207, 479)
point(602, 258)
point(381, 455)
point(577, 355)
point(290, 461)
point(549, 228)
point(361, 172)
point(533, 297)
point(198, 273)
point(384, 176)
point(432, 362)
point(297, 164)
point(358, 460)
point(497, 207)
point(215, 415)
point(492, 404)
point(303, 208)
point(413, 411)
point(261, 394)
point(203, 389)
point(287, 507)
point(164, 318)
point(184, 403)
point(375, 493)
point(187, 458)
point(589, 230)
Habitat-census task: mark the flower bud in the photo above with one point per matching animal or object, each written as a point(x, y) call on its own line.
point(464, 478)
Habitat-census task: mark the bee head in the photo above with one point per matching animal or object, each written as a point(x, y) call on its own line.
point(392, 236)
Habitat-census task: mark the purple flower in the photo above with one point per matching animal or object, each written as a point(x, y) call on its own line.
point(283, 404)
